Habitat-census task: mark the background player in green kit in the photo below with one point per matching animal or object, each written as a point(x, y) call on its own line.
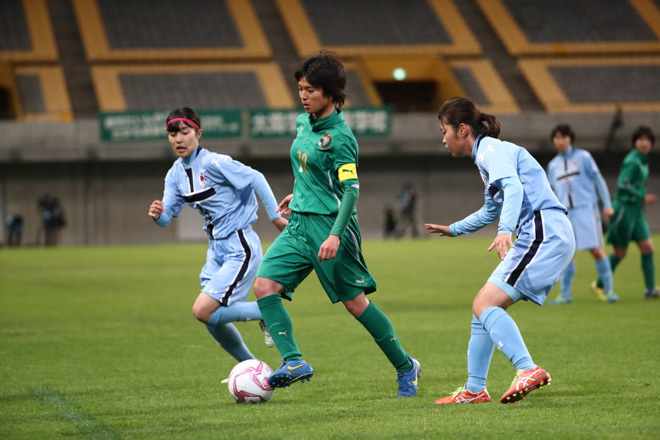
point(323, 233)
point(628, 222)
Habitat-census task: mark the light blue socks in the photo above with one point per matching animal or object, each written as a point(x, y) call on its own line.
point(566, 284)
point(480, 353)
point(226, 334)
point(604, 269)
point(504, 333)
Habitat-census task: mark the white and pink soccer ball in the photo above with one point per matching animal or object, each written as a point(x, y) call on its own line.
point(248, 382)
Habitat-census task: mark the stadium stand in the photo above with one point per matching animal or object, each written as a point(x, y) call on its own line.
point(556, 27)
point(378, 27)
point(595, 85)
point(481, 83)
point(117, 30)
point(26, 32)
point(208, 86)
point(42, 93)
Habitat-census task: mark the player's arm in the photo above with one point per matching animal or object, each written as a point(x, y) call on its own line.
point(162, 212)
point(260, 186)
point(512, 190)
point(477, 220)
point(629, 181)
point(348, 177)
point(601, 185)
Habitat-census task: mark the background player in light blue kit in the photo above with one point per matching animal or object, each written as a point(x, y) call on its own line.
point(518, 193)
point(223, 191)
point(577, 182)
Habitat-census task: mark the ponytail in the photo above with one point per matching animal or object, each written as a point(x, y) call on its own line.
point(457, 111)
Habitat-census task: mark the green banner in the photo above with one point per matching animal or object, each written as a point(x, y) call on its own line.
point(150, 125)
point(363, 121)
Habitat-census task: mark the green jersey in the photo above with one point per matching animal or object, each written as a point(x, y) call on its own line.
point(633, 179)
point(324, 157)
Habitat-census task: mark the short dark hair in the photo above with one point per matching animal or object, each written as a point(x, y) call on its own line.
point(642, 131)
point(564, 130)
point(183, 113)
point(325, 71)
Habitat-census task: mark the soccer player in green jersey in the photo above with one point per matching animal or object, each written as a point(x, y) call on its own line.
point(628, 222)
point(323, 233)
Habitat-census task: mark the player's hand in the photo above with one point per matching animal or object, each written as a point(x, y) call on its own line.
point(280, 223)
point(328, 250)
point(441, 230)
point(156, 209)
point(283, 207)
point(608, 212)
point(650, 198)
point(502, 243)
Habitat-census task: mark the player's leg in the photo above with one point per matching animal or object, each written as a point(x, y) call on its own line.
point(227, 279)
point(648, 268)
point(566, 285)
point(604, 269)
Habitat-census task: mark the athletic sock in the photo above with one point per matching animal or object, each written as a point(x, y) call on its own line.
point(614, 262)
point(228, 337)
point(567, 281)
point(649, 270)
point(380, 327)
point(505, 334)
point(240, 311)
point(279, 326)
point(604, 269)
point(480, 353)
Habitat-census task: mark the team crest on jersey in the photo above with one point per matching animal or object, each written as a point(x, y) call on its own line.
point(202, 179)
point(325, 141)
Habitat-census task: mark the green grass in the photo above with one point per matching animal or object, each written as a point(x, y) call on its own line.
point(101, 343)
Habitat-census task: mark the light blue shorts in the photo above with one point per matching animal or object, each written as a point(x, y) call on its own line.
point(231, 266)
point(587, 226)
point(539, 255)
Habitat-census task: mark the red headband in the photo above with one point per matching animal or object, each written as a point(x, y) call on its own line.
point(184, 120)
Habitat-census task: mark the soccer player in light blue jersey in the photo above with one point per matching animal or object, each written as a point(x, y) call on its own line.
point(577, 182)
point(517, 193)
point(223, 191)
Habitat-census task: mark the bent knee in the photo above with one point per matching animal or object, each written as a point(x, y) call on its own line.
point(264, 287)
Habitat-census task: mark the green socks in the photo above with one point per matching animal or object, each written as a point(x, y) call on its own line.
point(280, 327)
point(380, 327)
point(649, 271)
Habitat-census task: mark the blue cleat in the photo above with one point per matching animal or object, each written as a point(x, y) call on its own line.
point(652, 293)
point(612, 297)
point(560, 300)
point(408, 380)
point(290, 372)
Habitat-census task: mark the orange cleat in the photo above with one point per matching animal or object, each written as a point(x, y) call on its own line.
point(524, 382)
point(462, 395)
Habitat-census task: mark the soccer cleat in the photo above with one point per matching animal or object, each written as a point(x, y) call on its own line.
point(462, 395)
point(560, 300)
point(612, 297)
point(652, 293)
point(268, 339)
point(408, 380)
point(599, 292)
point(290, 372)
point(524, 382)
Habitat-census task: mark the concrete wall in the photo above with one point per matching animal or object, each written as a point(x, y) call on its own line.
point(106, 202)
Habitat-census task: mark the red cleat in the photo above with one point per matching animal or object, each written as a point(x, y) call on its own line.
point(462, 395)
point(524, 382)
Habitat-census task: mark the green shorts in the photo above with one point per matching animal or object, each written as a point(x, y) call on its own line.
point(627, 224)
point(294, 254)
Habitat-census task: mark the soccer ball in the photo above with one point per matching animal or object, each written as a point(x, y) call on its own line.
point(248, 382)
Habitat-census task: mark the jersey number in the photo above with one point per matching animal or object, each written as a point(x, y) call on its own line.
point(302, 160)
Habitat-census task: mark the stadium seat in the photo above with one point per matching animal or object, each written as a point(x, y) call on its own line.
point(117, 30)
point(378, 27)
point(42, 94)
point(207, 86)
point(544, 27)
point(481, 83)
point(595, 85)
point(26, 32)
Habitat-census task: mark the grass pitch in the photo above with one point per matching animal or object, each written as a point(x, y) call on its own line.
point(100, 343)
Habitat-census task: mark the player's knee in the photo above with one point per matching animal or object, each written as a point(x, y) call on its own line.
point(264, 287)
point(201, 313)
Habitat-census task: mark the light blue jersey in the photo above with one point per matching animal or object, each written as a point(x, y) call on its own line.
point(506, 167)
point(220, 188)
point(576, 179)
point(519, 194)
